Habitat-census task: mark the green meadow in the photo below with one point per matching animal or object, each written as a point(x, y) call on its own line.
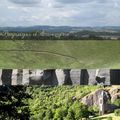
point(60, 54)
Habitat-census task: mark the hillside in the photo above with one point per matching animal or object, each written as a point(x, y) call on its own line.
point(59, 102)
point(65, 102)
point(59, 28)
point(59, 54)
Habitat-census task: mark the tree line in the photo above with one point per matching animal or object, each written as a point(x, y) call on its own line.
point(44, 35)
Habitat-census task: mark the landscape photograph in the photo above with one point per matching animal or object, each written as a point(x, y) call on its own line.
point(59, 60)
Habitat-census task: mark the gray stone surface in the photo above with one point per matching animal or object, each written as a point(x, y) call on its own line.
point(84, 78)
point(25, 80)
point(103, 76)
point(98, 98)
point(19, 77)
point(92, 76)
point(14, 76)
point(115, 93)
point(36, 77)
point(50, 78)
point(75, 76)
point(0, 76)
point(115, 76)
point(6, 76)
point(59, 77)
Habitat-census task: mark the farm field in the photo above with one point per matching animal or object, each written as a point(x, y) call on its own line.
point(59, 54)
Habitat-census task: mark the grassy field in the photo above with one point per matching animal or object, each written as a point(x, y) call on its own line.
point(59, 54)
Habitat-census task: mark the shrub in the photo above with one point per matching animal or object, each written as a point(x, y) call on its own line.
point(117, 102)
point(80, 110)
point(70, 115)
point(60, 113)
point(109, 118)
point(117, 112)
point(94, 110)
point(59, 101)
point(48, 115)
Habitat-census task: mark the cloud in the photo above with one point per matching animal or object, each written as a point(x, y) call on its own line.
point(12, 7)
point(73, 1)
point(80, 1)
point(59, 12)
point(25, 2)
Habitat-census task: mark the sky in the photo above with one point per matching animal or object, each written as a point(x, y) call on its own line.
point(60, 12)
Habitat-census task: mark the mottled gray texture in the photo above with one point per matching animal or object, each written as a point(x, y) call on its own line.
point(75, 76)
point(59, 77)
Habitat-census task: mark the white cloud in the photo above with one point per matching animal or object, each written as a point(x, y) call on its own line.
point(60, 12)
point(12, 7)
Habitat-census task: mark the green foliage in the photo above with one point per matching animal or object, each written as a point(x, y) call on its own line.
point(58, 103)
point(117, 102)
point(94, 110)
point(44, 103)
point(60, 113)
point(109, 118)
point(70, 115)
point(13, 103)
point(117, 112)
point(80, 110)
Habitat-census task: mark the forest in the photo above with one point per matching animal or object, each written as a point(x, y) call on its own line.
point(49, 103)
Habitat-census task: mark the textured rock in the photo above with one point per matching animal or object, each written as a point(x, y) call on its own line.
point(75, 76)
point(0, 77)
point(103, 76)
point(115, 77)
point(68, 80)
point(36, 77)
point(49, 78)
point(6, 76)
point(114, 97)
point(14, 76)
point(25, 80)
point(94, 99)
point(84, 78)
point(114, 93)
point(92, 76)
point(19, 76)
point(59, 77)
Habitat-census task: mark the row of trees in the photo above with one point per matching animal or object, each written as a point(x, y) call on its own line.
point(43, 35)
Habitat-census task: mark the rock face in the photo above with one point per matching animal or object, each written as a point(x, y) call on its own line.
point(75, 75)
point(36, 77)
point(103, 76)
point(115, 93)
point(6, 76)
point(59, 77)
point(98, 98)
point(115, 77)
point(101, 98)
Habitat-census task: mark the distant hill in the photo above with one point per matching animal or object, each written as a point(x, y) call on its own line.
point(60, 29)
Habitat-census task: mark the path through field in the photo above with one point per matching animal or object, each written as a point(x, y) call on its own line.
point(59, 54)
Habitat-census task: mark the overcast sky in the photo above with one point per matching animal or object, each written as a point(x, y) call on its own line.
point(60, 12)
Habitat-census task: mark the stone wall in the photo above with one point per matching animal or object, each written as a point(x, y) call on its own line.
point(59, 77)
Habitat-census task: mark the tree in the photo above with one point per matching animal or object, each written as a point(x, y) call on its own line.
point(80, 110)
point(13, 103)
